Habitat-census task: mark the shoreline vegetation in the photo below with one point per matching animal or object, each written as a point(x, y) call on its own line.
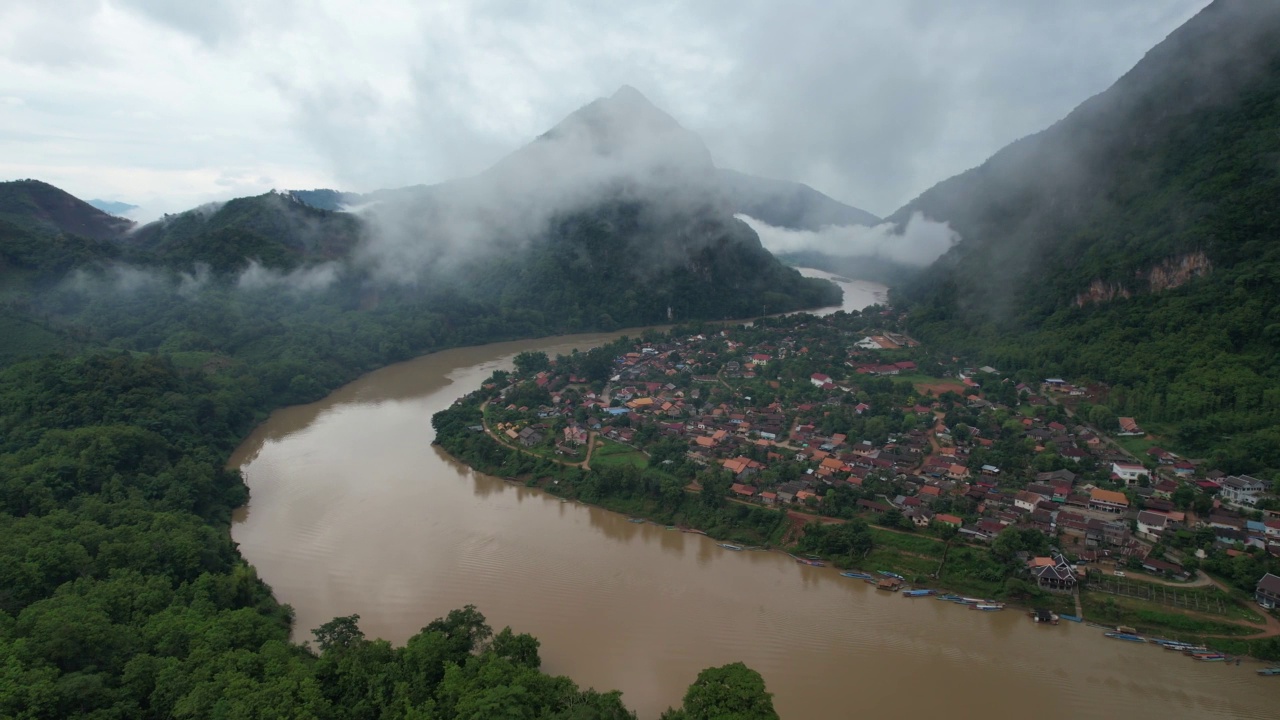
point(640, 474)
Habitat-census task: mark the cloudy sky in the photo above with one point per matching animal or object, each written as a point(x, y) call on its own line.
point(167, 104)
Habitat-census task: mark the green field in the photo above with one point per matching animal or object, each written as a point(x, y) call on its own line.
point(613, 453)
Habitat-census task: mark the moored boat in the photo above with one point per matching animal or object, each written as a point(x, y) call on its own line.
point(888, 574)
point(730, 546)
point(987, 607)
point(1210, 657)
point(1072, 618)
point(970, 601)
point(1269, 671)
point(949, 597)
point(1129, 637)
point(856, 575)
point(1040, 615)
point(635, 520)
point(921, 592)
point(812, 563)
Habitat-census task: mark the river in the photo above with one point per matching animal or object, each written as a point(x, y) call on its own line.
point(354, 511)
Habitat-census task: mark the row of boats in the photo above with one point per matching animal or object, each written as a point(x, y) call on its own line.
point(893, 582)
point(1192, 650)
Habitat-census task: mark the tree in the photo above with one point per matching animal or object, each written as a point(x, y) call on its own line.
point(529, 362)
point(340, 632)
point(521, 649)
point(729, 692)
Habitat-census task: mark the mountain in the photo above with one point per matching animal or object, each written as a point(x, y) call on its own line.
point(45, 232)
point(273, 229)
point(45, 209)
point(788, 204)
point(1133, 242)
point(113, 207)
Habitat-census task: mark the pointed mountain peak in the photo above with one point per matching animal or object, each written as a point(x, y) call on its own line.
point(631, 96)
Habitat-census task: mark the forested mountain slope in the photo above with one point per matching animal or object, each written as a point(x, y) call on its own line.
point(1135, 241)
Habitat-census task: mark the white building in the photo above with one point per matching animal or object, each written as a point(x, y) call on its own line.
point(1128, 472)
point(1241, 489)
point(1151, 525)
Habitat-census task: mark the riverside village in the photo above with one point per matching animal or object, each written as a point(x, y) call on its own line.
point(844, 442)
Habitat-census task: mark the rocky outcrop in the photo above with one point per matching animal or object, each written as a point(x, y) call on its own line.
point(1100, 292)
point(1167, 274)
point(1177, 271)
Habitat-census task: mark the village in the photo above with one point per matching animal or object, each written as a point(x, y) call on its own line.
point(847, 417)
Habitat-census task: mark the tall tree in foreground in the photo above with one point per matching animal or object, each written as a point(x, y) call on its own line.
point(729, 692)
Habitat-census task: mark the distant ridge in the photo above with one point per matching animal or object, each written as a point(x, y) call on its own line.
point(40, 206)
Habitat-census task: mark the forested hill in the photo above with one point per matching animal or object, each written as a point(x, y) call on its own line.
point(273, 229)
point(43, 209)
point(1134, 242)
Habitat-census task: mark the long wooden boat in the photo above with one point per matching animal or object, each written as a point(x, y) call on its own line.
point(886, 573)
point(811, 563)
point(1128, 637)
point(856, 575)
point(1072, 618)
point(730, 546)
point(1269, 671)
point(987, 607)
point(921, 592)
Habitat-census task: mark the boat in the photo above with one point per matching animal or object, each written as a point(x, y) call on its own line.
point(970, 601)
point(950, 597)
point(695, 531)
point(1125, 636)
point(856, 575)
point(886, 573)
point(1040, 615)
point(1072, 618)
point(922, 592)
point(635, 520)
point(730, 546)
point(987, 607)
point(811, 563)
point(1210, 657)
point(1269, 671)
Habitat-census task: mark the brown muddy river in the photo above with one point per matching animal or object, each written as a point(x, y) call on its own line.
point(353, 511)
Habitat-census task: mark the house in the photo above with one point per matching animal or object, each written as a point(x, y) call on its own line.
point(948, 520)
point(743, 490)
point(1129, 426)
point(1162, 567)
point(1241, 489)
point(1128, 472)
point(530, 437)
point(819, 380)
point(1267, 593)
point(1108, 501)
point(1053, 574)
point(1151, 525)
point(1026, 500)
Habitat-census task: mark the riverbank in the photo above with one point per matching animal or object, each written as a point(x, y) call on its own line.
point(354, 511)
point(699, 496)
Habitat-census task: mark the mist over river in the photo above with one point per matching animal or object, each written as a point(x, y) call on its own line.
point(354, 511)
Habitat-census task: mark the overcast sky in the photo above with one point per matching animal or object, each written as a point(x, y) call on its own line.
point(167, 103)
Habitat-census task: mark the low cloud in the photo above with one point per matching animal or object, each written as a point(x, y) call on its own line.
point(257, 277)
point(919, 243)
